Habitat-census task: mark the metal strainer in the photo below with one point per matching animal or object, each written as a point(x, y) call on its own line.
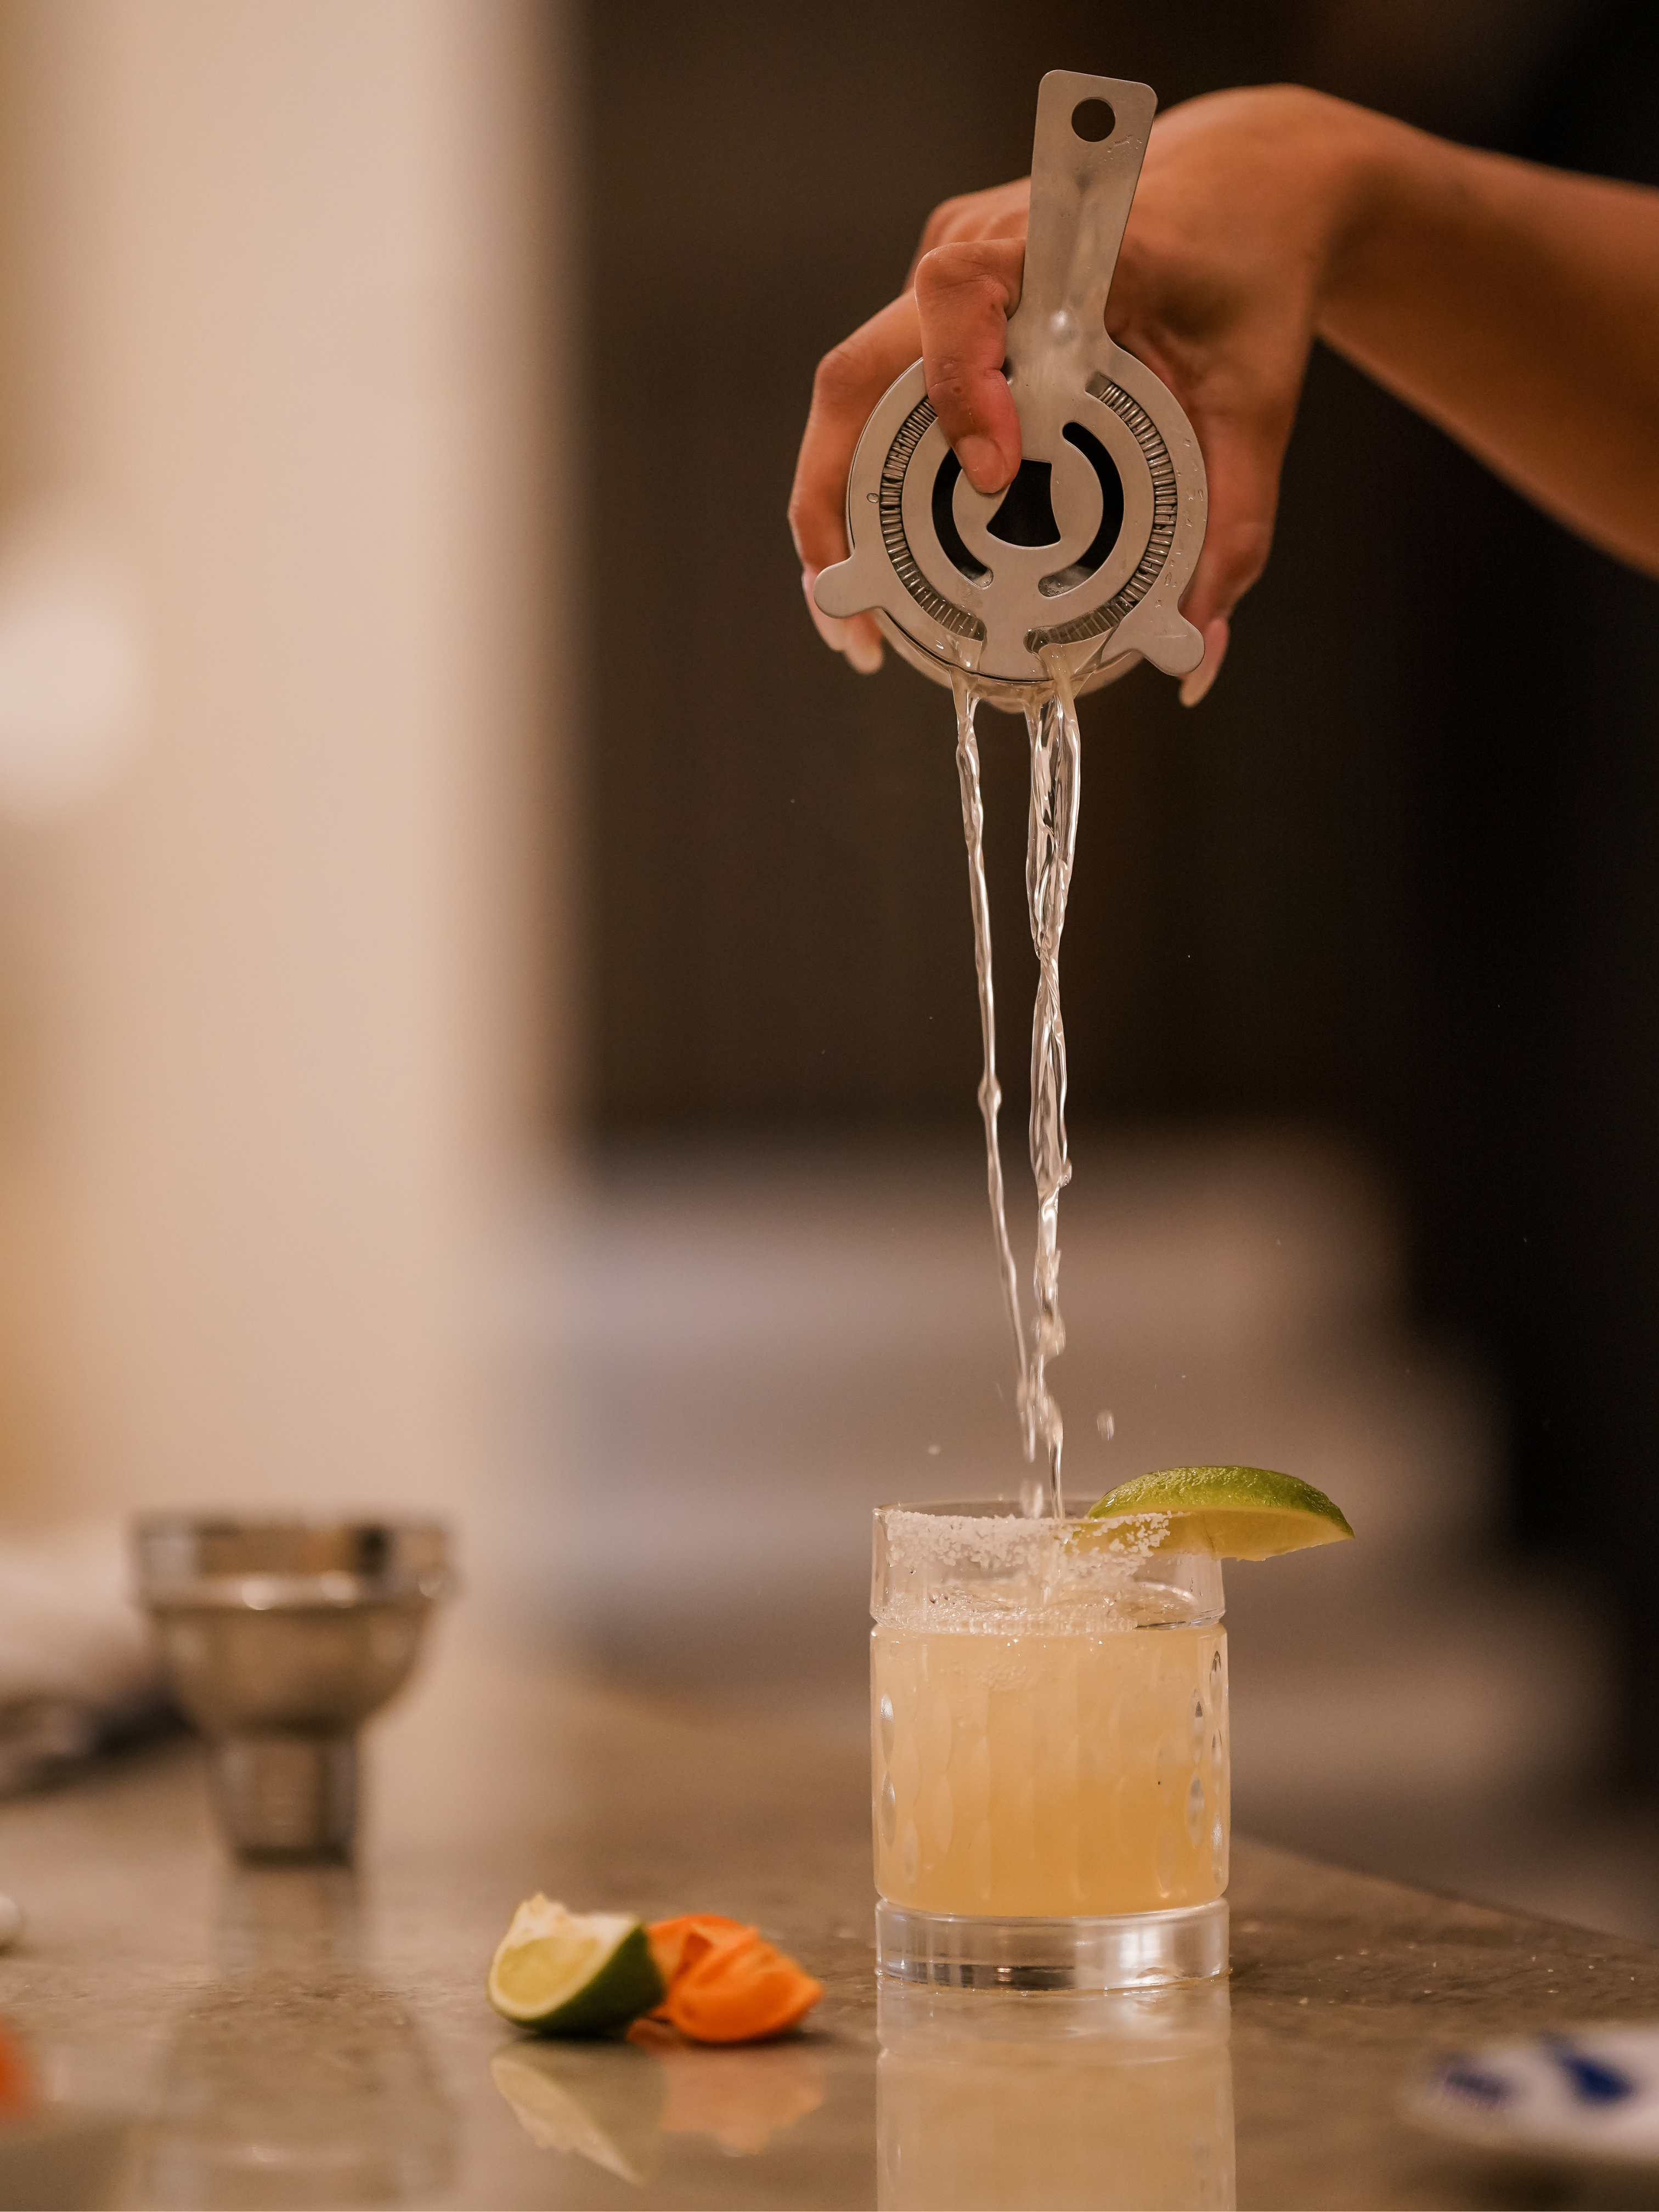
point(1092, 545)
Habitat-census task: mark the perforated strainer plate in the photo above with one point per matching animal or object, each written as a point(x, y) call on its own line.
point(1091, 547)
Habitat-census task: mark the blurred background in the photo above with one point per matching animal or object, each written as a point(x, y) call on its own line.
point(473, 1038)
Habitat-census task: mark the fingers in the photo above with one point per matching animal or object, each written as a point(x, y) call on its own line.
point(1241, 457)
point(848, 383)
point(1236, 545)
point(1002, 212)
point(965, 293)
point(957, 318)
point(1217, 635)
point(855, 635)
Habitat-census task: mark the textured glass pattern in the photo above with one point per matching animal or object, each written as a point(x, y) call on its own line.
point(1061, 1774)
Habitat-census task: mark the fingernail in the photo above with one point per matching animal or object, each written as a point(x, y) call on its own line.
point(1196, 686)
point(981, 460)
point(863, 652)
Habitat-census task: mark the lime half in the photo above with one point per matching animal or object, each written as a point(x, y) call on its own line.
point(1232, 1512)
point(572, 1973)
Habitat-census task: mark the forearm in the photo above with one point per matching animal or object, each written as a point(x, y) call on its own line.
point(1517, 307)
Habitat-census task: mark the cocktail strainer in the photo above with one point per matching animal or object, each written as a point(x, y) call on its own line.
point(1092, 545)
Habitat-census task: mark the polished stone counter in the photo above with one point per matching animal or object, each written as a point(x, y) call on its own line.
point(320, 2037)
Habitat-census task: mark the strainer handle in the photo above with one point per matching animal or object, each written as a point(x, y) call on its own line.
point(1082, 186)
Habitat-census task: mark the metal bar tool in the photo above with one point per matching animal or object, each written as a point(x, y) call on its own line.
point(279, 1638)
point(1091, 547)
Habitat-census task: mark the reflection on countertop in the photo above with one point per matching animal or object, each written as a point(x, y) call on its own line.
point(983, 2099)
point(1055, 2098)
point(295, 2079)
point(612, 2103)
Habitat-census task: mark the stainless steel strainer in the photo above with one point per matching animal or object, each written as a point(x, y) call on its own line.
point(1091, 547)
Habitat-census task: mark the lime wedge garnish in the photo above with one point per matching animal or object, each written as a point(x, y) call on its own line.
point(1232, 1512)
point(572, 1973)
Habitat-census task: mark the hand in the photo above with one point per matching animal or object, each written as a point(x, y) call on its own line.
point(1239, 217)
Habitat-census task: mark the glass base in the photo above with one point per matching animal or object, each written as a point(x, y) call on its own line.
point(1111, 1951)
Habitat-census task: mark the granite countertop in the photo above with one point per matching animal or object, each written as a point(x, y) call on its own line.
point(320, 2037)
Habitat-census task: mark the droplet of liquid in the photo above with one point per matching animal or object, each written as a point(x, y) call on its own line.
point(1106, 1425)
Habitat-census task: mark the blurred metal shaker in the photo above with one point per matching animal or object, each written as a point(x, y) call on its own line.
point(279, 1638)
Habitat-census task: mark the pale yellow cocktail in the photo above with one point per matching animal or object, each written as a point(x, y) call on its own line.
point(1049, 1722)
point(1050, 1774)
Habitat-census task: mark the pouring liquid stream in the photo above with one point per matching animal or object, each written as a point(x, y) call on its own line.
point(1051, 843)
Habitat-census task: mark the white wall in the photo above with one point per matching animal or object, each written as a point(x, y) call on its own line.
point(278, 993)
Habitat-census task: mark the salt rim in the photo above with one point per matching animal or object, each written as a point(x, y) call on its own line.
point(1002, 1574)
point(971, 1538)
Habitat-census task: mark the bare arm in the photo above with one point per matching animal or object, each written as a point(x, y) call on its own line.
point(1517, 307)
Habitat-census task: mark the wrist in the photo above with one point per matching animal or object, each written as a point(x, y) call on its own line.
point(1380, 171)
point(1315, 170)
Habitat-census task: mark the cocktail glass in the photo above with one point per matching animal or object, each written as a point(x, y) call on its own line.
point(1050, 1752)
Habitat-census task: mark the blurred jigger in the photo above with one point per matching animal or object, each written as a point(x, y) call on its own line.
point(279, 1638)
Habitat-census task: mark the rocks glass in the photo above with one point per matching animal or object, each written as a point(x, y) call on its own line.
point(1050, 1752)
